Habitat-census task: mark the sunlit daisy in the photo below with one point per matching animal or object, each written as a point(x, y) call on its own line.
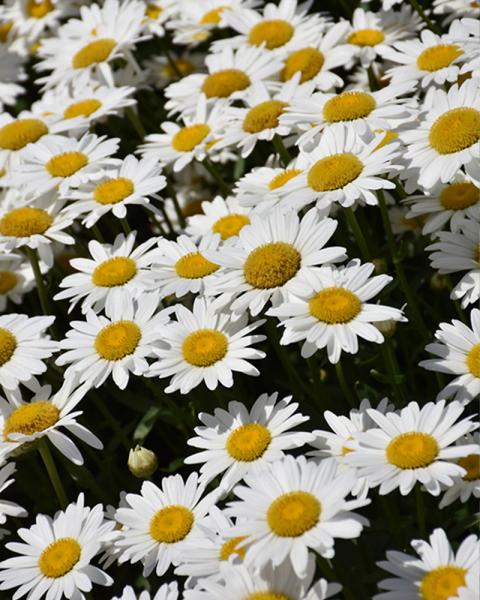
point(437, 573)
point(56, 554)
point(7, 507)
point(237, 441)
point(16, 279)
point(167, 591)
point(457, 351)
point(469, 484)
point(223, 216)
point(292, 506)
point(414, 445)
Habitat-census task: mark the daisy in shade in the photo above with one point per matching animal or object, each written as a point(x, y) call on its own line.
point(167, 591)
point(11, 74)
point(16, 279)
point(456, 8)
point(335, 312)
point(415, 444)
point(131, 182)
point(7, 507)
point(237, 441)
point(272, 259)
point(344, 168)
point(292, 506)
point(230, 74)
point(45, 415)
point(206, 345)
point(160, 521)
point(23, 348)
point(459, 251)
point(239, 583)
point(116, 346)
point(457, 352)
point(469, 484)
point(448, 136)
point(224, 216)
point(437, 572)
point(115, 273)
point(157, 14)
point(446, 205)
point(56, 554)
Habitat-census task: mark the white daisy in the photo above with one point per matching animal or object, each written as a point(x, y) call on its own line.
point(16, 279)
point(457, 352)
point(336, 311)
point(56, 554)
point(237, 441)
point(224, 216)
point(292, 506)
point(437, 573)
point(117, 346)
point(167, 591)
point(157, 14)
point(158, 522)
point(7, 507)
point(206, 345)
point(11, 73)
point(469, 485)
point(415, 444)
point(456, 8)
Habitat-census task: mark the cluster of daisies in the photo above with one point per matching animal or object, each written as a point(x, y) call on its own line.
point(239, 216)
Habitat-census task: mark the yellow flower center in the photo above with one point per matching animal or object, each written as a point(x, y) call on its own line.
point(84, 108)
point(282, 178)
point(171, 524)
point(308, 61)
point(233, 547)
point(455, 130)
point(194, 266)
point(5, 30)
point(263, 116)
point(348, 106)
point(438, 57)
point(59, 557)
point(152, 11)
point(271, 265)
point(117, 340)
point(204, 347)
point(274, 33)
point(248, 442)
point(334, 172)
point(442, 583)
point(114, 271)
point(66, 164)
point(38, 9)
point(8, 345)
point(224, 83)
point(335, 305)
point(267, 596)
point(387, 138)
point(471, 464)
point(184, 66)
point(473, 360)
point(230, 225)
point(93, 53)
point(16, 135)
point(31, 418)
point(25, 221)
point(460, 195)
point(214, 16)
point(294, 513)
point(8, 281)
point(413, 450)
point(366, 37)
point(113, 191)
point(186, 139)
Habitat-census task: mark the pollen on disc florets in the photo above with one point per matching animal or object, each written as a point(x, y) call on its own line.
point(366, 37)
point(334, 172)
point(59, 557)
point(271, 265)
point(83, 108)
point(348, 106)
point(113, 191)
point(438, 57)
point(459, 195)
point(93, 53)
point(114, 271)
point(335, 305)
point(248, 442)
point(205, 347)
point(25, 221)
point(224, 83)
point(263, 116)
point(442, 583)
point(274, 33)
point(66, 164)
point(455, 130)
point(171, 524)
point(293, 514)
point(16, 135)
point(117, 340)
point(31, 418)
point(412, 450)
point(187, 138)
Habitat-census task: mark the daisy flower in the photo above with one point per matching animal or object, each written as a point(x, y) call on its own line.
point(230, 75)
point(456, 8)
point(158, 522)
point(292, 506)
point(117, 346)
point(56, 554)
point(446, 204)
point(7, 507)
point(11, 72)
point(116, 273)
point(23, 348)
point(224, 216)
point(459, 251)
point(167, 591)
point(415, 444)
point(436, 572)
point(131, 182)
point(457, 352)
point(157, 14)
point(16, 279)
point(335, 312)
point(45, 415)
point(239, 583)
point(206, 345)
point(273, 258)
point(467, 486)
point(345, 168)
point(448, 137)
point(238, 441)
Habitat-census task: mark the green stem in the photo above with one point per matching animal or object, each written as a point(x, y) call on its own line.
point(125, 226)
point(393, 518)
point(372, 80)
point(41, 288)
point(428, 22)
point(422, 530)
point(98, 234)
point(344, 385)
point(394, 372)
point(167, 219)
point(212, 169)
point(135, 121)
point(281, 150)
point(52, 472)
point(357, 232)
point(111, 420)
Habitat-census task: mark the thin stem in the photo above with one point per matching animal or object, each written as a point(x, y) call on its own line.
point(422, 530)
point(281, 150)
point(372, 80)
point(391, 512)
point(125, 226)
point(41, 288)
point(212, 169)
point(52, 472)
point(98, 234)
point(135, 121)
point(344, 385)
point(429, 23)
point(394, 372)
point(357, 232)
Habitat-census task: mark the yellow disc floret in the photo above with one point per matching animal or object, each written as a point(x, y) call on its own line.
point(271, 265)
point(223, 84)
point(187, 138)
point(274, 33)
point(204, 347)
point(171, 524)
point(455, 130)
point(8, 345)
point(282, 178)
point(66, 164)
point(214, 16)
point(412, 450)
point(334, 172)
point(113, 191)
point(438, 57)
point(117, 340)
point(84, 108)
point(366, 37)
point(348, 106)
point(473, 360)
point(232, 547)
point(114, 271)
point(93, 53)
point(31, 418)
point(59, 557)
point(308, 61)
point(442, 583)
point(230, 225)
point(37, 9)
point(8, 280)
point(267, 596)
point(194, 266)
point(25, 221)
point(293, 514)
point(471, 464)
point(335, 305)
point(459, 195)
point(263, 116)
point(152, 11)
point(248, 442)
point(17, 134)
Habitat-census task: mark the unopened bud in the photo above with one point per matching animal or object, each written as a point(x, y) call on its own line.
point(438, 282)
point(387, 328)
point(142, 462)
point(380, 265)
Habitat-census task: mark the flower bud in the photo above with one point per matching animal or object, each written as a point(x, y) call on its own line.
point(387, 328)
point(142, 462)
point(438, 282)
